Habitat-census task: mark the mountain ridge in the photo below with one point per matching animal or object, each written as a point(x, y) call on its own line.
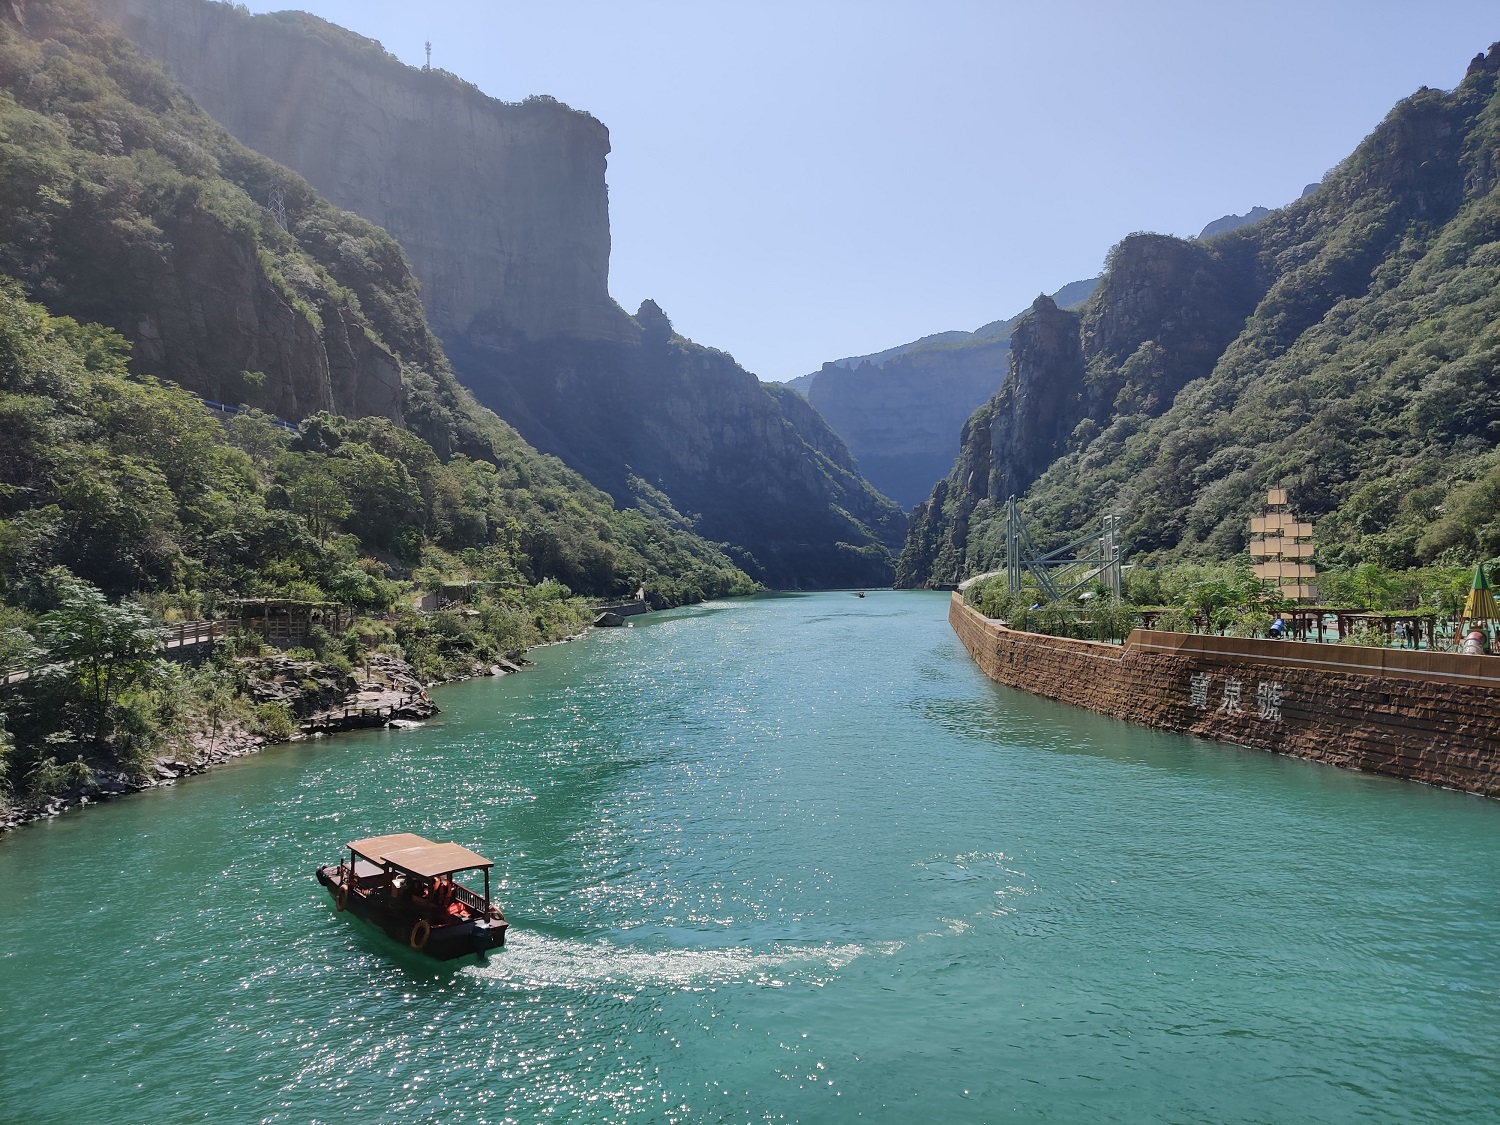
point(1343, 346)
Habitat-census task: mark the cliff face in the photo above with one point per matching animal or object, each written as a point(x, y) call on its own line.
point(900, 410)
point(208, 311)
point(121, 202)
point(1343, 346)
point(503, 211)
point(753, 465)
point(501, 208)
point(1164, 312)
point(124, 205)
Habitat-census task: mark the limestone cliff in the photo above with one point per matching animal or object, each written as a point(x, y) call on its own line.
point(122, 202)
point(503, 212)
point(501, 208)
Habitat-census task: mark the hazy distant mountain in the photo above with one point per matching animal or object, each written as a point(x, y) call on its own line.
point(900, 410)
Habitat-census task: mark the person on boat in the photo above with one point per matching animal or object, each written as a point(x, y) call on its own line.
point(1278, 629)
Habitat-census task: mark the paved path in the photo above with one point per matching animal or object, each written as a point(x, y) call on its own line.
point(967, 582)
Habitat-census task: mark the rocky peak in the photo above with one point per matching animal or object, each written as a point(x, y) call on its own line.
point(1042, 398)
point(1226, 223)
point(1485, 63)
point(656, 328)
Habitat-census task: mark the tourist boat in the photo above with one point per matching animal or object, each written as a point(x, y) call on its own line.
point(405, 885)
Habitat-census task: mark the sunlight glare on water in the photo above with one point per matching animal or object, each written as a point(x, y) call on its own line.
point(783, 859)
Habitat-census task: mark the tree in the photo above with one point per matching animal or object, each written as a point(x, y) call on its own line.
point(7, 750)
point(258, 434)
point(385, 499)
point(315, 494)
point(97, 649)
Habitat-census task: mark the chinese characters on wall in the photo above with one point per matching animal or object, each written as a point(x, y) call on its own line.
point(1233, 699)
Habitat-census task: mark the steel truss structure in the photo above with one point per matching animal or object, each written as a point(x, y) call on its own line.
point(1051, 571)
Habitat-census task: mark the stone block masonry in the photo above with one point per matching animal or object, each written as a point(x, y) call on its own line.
point(1422, 716)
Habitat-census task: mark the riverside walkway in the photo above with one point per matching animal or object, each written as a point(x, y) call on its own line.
point(180, 640)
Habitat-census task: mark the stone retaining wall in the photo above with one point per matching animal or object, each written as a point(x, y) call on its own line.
point(1424, 716)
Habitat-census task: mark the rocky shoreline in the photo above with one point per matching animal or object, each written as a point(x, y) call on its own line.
point(389, 694)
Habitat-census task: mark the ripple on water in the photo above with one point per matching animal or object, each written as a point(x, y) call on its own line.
point(786, 859)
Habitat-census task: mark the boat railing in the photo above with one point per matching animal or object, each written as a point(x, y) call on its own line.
point(473, 901)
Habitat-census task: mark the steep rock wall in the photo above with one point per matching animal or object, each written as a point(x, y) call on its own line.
point(750, 463)
point(208, 311)
point(502, 209)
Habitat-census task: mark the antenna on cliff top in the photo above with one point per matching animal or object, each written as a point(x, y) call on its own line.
point(429, 55)
point(276, 202)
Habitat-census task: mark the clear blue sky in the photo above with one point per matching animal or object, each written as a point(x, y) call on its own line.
point(796, 182)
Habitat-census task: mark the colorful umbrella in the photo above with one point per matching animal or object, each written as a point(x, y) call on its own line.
point(1480, 604)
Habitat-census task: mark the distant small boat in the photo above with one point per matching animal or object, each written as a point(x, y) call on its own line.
point(860, 594)
point(405, 885)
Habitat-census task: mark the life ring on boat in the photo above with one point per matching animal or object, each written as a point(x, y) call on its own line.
point(341, 897)
point(419, 933)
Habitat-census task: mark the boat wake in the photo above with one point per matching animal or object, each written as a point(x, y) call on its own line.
point(541, 962)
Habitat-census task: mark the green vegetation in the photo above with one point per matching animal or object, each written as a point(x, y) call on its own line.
point(1347, 347)
point(124, 503)
point(1224, 598)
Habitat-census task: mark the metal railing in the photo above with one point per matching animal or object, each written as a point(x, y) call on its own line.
point(473, 901)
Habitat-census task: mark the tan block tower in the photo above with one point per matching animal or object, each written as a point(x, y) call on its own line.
point(1282, 549)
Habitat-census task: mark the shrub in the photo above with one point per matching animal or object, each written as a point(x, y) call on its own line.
point(275, 722)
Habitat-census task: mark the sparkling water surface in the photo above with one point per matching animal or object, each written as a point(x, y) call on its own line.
point(787, 858)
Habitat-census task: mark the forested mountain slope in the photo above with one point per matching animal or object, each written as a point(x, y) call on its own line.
point(1347, 345)
point(504, 210)
point(122, 203)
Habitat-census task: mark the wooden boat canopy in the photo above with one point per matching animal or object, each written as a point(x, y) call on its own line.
point(430, 860)
point(376, 846)
point(418, 856)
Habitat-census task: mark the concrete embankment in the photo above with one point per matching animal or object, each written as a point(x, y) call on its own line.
point(1423, 716)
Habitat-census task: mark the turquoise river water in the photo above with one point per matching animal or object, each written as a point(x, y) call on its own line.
point(786, 859)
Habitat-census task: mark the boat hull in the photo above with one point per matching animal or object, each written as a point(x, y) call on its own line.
point(442, 942)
